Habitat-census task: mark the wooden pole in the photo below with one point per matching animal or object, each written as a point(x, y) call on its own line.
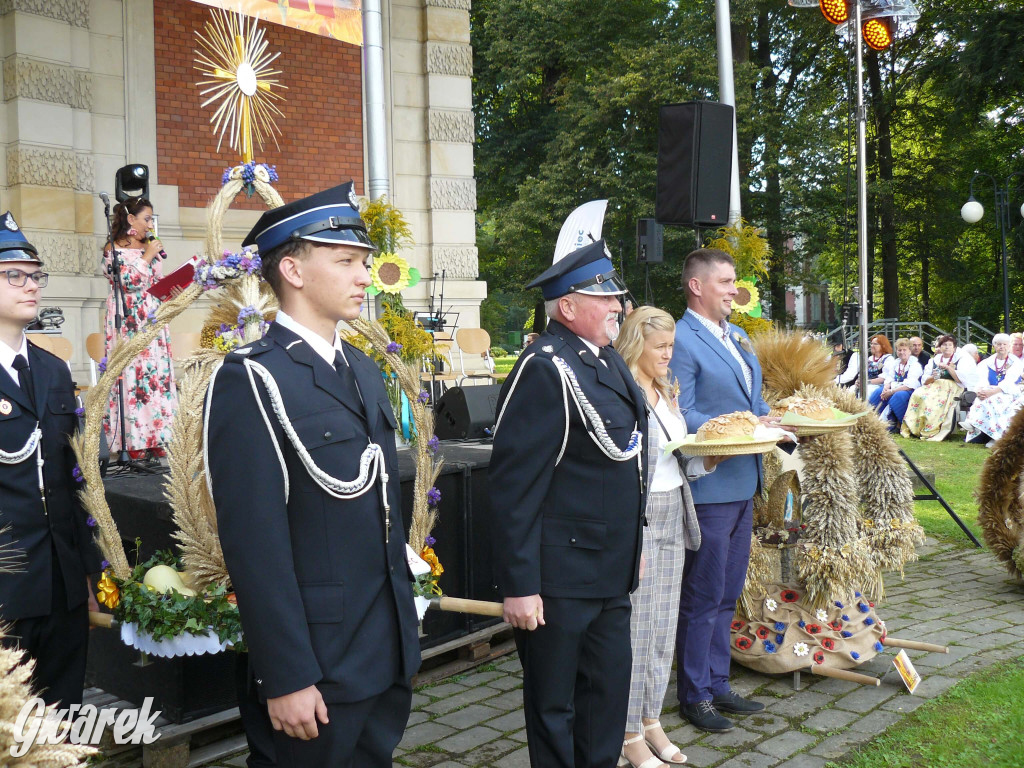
point(464, 605)
point(915, 645)
point(845, 674)
point(105, 620)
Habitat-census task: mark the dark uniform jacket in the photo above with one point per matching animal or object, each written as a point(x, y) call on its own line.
point(323, 599)
point(569, 527)
point(36, 534)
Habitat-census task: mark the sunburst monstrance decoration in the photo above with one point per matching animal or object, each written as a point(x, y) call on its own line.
point(234, 56)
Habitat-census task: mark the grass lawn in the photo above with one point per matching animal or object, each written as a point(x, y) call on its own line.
point(957, 467)
point(504, 364)
point(977, 722)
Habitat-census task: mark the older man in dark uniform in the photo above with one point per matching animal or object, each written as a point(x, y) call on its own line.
point(40, 516)
point(302, 463)
point(567, 500)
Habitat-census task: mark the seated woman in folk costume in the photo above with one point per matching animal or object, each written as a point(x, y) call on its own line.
point(900, 380)
point(930, 411)
point(998, 393)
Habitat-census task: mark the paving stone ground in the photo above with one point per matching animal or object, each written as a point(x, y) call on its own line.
point(960, 597)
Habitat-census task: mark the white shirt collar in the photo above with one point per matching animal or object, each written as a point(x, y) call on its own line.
point(7, 356)
point(593, 348)
point(319, 344)
point(721, 330)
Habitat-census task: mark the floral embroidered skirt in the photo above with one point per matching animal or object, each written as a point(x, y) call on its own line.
point(992, 416)
point(928, 414)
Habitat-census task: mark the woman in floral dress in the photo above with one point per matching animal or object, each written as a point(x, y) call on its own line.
point(149, 393)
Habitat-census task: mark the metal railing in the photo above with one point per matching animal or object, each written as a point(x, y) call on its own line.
point(967, 331)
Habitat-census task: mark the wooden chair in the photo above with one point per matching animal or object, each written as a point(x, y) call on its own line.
point(58, 345)
point(184, 343)
point(474, 341)
point(443, 348)
point(94, 345)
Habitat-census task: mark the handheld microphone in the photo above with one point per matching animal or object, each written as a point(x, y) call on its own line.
point(151, 237)
point(105, 198)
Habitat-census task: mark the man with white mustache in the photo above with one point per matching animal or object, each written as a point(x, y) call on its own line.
point(567, 499)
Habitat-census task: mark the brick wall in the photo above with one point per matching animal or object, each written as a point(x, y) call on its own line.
point(322, 141)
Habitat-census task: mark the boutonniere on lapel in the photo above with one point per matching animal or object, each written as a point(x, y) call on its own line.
point(743, 342)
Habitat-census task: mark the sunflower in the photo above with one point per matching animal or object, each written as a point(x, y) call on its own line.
point(748, 298)
point(391, 274)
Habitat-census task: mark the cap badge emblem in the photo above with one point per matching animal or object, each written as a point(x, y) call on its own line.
point(547, 348)
point(10, 223)
point(352, 199)
point(5, 407)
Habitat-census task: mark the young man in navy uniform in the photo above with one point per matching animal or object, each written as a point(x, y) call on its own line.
point(47, 600)
point(567, 500)
point(302, 463)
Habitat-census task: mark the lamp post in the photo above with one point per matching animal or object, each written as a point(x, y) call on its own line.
point(972, 211)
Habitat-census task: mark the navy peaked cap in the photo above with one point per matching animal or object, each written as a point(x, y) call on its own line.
point(330, 217)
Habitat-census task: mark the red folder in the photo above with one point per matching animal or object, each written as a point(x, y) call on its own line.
point(179, 278)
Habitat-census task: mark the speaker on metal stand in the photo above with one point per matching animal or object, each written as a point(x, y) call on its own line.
point(649, 249)
point(694, 164)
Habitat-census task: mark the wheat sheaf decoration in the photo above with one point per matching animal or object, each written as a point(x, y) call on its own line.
point(1000, 507)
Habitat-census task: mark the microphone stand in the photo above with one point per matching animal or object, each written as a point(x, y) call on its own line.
point(124, 460)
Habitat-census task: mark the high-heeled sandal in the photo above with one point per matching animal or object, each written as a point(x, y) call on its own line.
point(668, 752)
point(623, 761)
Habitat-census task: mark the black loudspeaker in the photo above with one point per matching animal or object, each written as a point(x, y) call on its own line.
point(694, 163)
point(466, 412)
point(649, 238)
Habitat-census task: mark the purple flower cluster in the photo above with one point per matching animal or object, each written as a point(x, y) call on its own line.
point(249, 173)
point(246, 312)
point(433, 444)
point(433, 497)
point(104, 565)
point(151, 317)
point(79, 412)
point(423, 396)
point(430, 541)
point(90, 521)
point(101, 366)
point(76, 473)
point(393, 348)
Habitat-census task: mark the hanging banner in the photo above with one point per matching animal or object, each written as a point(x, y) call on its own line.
point(337, 19)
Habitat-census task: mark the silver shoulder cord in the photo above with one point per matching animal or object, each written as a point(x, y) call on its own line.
point(371, 463)
point(34, 444)
point(597, 432)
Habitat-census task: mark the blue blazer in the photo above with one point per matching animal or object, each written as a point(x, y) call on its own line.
point(711, 383)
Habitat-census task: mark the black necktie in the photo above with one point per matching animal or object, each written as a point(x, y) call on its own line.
point(25, 378)
point(348, 380)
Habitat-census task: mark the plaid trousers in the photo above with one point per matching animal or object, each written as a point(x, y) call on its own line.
point(656, 607)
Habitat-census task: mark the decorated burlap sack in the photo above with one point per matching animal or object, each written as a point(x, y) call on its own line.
point(785, 634)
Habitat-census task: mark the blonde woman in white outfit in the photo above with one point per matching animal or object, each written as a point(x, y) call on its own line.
point(645, 343)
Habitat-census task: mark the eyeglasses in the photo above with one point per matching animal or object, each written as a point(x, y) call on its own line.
point(18, 278)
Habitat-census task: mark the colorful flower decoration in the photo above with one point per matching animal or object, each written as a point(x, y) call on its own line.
point(828, 643)
point(879, 647)
point(780, 626)
point(391, 274)
point(428, 554)
point(845, 617)
point(748, 297)
point(818, 657)
point(839, 605)
point(737, 625)
point(813, 629)
point(845, 633)
point(869, 621)
point(801, 623)
point(433, 497)
point(836, 625)
point(821, 615)
point(769, 646)
point(743, 643)
point(780, 638)
point(789, 596)
point(770, 604)
point(854, 655)
point(762, 633)
point(863, 607)
point(109, 595)
point(801, 649)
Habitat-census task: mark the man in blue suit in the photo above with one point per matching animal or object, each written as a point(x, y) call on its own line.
point(718, 373)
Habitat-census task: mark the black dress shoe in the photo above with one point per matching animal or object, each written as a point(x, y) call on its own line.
point(705, 717)
point(735, 704)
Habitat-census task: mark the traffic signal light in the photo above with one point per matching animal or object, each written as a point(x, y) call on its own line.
point(878, 33)
point(836, 11)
